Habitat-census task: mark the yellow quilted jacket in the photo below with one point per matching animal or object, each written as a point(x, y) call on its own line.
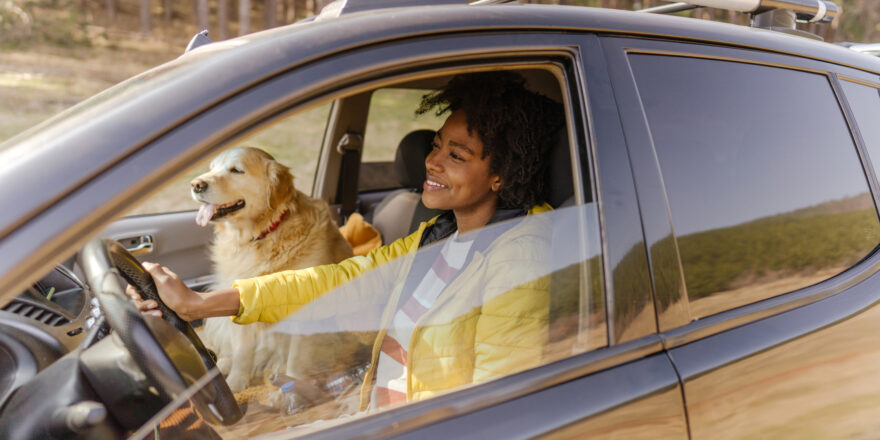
point(488, 322)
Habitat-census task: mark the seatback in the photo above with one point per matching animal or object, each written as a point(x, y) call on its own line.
point(401, 211)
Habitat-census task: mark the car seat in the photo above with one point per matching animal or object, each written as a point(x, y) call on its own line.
point(401, 211)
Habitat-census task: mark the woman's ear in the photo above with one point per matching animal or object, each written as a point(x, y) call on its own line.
point(496, 184)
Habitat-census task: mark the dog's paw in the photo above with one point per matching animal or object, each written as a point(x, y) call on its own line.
point(237, 382)
point(225, 365)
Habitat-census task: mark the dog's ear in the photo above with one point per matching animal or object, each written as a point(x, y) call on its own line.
point(280, 184)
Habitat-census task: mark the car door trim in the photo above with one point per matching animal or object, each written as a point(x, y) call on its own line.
point(419, 414)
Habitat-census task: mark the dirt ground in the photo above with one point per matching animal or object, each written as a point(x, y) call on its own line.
point(38, 82)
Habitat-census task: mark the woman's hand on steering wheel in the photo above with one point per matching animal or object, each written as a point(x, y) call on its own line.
point(148, 307)
point(171, 289)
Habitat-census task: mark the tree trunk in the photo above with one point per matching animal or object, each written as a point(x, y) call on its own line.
point(111, 12)
point(166, 10)
point(202, 14)
point(244, 17)
point(145, 18)
point(288, 11)
point(223, 19)
point(270, 13)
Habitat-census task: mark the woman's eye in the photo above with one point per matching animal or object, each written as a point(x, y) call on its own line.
point(434, 145)
point(455, 156)
point(236, 170)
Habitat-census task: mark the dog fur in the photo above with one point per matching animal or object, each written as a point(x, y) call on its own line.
point(306, 237)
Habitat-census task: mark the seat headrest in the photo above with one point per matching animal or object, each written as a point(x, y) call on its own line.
point(409, 161)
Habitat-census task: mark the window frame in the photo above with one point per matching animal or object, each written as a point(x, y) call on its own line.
point(393, 62)
point(472, 55)
point(675, 323)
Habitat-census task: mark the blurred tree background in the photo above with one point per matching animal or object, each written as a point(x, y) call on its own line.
point(54, 53)
point(81, 22)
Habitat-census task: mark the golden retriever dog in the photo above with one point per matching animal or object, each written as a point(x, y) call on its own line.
point(262, 224)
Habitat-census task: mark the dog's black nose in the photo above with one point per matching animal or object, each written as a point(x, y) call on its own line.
point(199, 186)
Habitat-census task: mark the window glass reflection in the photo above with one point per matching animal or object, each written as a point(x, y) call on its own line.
point(766, 191)
point(538, 297)
point(865, 104)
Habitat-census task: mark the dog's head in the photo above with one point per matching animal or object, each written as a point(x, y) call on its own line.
point(243, 184)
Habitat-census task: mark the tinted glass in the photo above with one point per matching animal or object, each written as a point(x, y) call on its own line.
point(530, 294)
point(766, 190)
point(865, 104)
point(396, 326)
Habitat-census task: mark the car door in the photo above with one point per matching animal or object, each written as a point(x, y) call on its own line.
point(628, 389)
point(762, 235)
point(605, 372)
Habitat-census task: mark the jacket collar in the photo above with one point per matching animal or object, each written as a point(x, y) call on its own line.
point(445, 225)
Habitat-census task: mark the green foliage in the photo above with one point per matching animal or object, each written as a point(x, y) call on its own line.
point(835, 234)
point(787, 244)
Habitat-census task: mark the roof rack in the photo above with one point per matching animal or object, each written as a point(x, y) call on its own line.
point(807, 11)
point(777, 15)
point(342, 7)
point(868, 48)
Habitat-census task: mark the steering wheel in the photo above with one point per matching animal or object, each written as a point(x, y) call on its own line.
point(102, 258)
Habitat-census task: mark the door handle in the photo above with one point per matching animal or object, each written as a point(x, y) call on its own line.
point(139, 245)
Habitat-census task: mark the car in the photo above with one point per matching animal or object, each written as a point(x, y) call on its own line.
point(711, 260)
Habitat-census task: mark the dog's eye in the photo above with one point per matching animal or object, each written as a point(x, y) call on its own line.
point(236, 170)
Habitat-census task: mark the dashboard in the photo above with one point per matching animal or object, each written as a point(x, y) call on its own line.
point(45, 322)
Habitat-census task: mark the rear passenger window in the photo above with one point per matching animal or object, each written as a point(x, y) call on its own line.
point(865, 104)
point(391, 117)
point(766, 191)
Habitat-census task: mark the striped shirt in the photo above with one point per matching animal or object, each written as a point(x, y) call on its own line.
point(390, 386)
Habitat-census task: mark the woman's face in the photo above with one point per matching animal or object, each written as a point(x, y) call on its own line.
point(458, 176)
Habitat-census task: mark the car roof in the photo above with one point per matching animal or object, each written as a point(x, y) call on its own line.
point(152, 103)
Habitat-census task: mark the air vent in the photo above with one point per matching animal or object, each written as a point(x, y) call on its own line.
point(36, 312)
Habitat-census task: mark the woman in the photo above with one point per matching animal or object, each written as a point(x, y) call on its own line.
point(450, 321)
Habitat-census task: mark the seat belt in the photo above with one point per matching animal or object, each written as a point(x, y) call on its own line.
point(350, 147)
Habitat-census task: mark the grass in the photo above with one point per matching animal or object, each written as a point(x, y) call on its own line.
point(40, 81)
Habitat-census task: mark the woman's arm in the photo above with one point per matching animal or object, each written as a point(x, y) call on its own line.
point(187, 303)
point(271, 297)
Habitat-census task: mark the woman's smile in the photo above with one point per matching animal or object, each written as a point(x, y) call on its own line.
point(432, 185)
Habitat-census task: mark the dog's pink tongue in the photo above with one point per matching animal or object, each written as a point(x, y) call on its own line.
point(205, 214)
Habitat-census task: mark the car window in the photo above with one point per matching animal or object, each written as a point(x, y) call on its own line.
point(295, 141)
point(391, 117)
point(531, 294)
point(865, 104)
point(530, 291)
point(766, 191)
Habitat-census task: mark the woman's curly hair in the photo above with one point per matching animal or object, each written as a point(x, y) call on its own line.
point(516, 126)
